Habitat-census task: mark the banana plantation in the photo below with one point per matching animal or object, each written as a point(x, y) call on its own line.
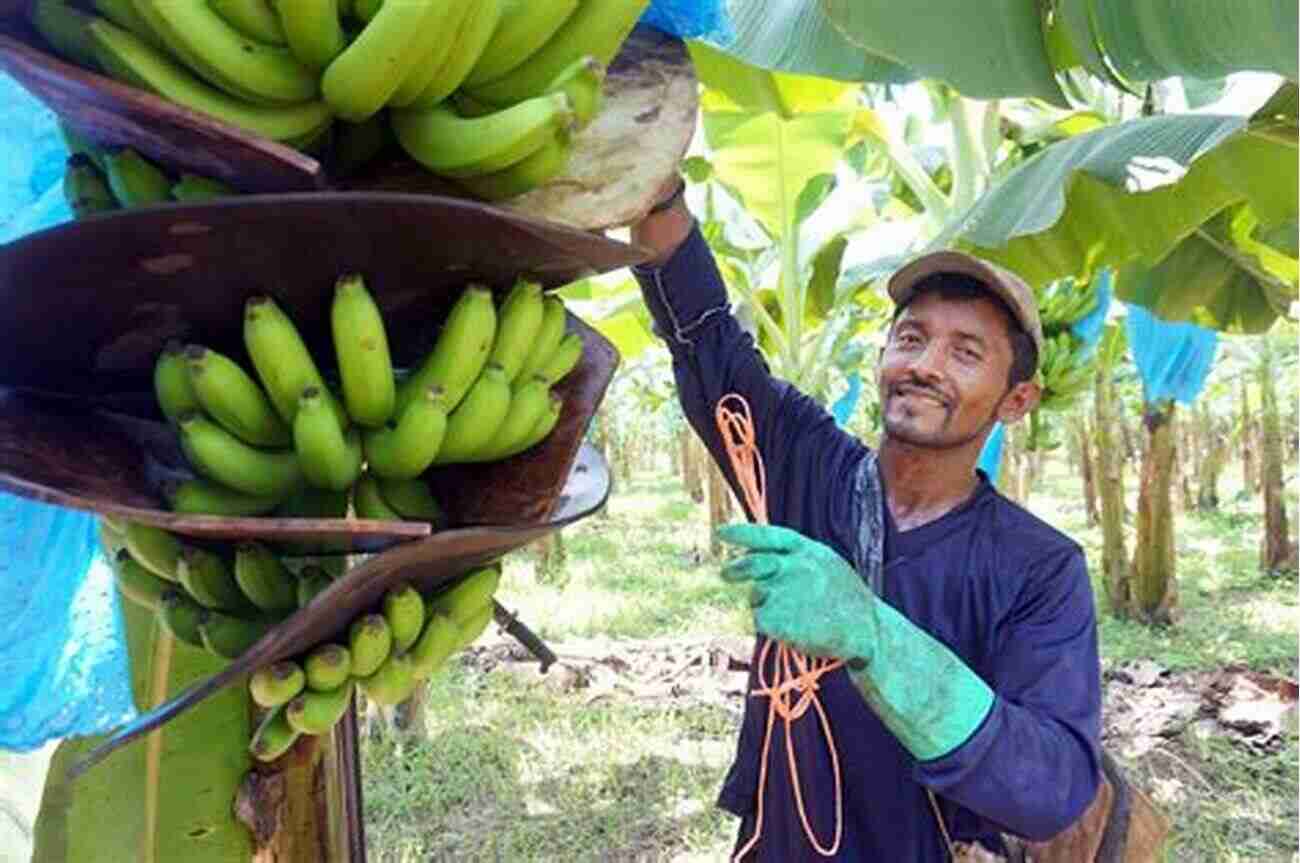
point(352, 509)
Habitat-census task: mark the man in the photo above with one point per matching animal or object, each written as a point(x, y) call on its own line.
point(968, 705)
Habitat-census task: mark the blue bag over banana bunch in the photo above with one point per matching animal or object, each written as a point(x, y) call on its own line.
point(56, 591)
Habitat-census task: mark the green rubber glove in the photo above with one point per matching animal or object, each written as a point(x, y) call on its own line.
point(807, 596)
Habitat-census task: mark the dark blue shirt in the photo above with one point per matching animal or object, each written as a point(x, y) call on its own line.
point(1005, 591)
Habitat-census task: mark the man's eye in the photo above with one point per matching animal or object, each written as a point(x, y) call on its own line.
point(967, 355)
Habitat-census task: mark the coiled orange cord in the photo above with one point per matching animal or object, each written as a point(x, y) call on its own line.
point(794, 686)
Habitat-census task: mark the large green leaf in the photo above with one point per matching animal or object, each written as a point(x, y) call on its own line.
point(1154, 39)
point(1076, 206)
point(168, 796)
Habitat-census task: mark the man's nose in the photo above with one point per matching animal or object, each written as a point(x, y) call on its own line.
point(928, 364)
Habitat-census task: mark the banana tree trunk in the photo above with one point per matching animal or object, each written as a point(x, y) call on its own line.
point(1110, 487)
point(691, 464)
point(1211, 466)
point(719, 506)
point(1249, 470)
point(1276, 552)
point(1083, 449)
point(1155, 594)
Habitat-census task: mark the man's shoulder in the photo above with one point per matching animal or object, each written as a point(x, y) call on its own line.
point(1018, 532)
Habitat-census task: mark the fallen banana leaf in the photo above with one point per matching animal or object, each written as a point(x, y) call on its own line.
point(425, 563)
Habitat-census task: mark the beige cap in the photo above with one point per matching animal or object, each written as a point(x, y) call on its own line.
point(1011, 288)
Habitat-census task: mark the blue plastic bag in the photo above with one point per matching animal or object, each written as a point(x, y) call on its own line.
point(63, 661)
point(1173, 359)
point(689, 19)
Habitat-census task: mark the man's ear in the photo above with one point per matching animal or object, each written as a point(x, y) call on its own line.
point(1022, 399)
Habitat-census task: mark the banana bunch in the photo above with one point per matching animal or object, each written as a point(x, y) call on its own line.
point(281, 440)
point(485, 92)
point(1065, 370)
point(96, 180)
point(387, 653)
point(1063, 303)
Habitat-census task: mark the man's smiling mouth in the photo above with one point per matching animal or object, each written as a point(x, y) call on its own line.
point(907, 391)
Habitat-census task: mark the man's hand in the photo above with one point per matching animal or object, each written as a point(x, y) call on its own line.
point(802, 592)
point(664, 231)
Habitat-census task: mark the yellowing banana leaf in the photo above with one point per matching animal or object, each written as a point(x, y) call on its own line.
point(1155, 39)
point(1131, 194)
point(167, 797)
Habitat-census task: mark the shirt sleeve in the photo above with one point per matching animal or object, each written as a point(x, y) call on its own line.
point(1034, 765)
point(809, 460)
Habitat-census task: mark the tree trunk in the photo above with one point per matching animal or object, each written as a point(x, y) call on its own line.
point(1083, 450)
point(719, 506)
point(1110, 487)
point(1276, 551)
point(1210, 468)
point(1249, 471)
point(551, 558)
point(1155, 593)
point(691, 464)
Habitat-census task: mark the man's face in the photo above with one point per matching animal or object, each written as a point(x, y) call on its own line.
point(943, 372)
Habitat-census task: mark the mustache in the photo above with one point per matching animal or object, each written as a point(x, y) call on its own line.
point(919, 388)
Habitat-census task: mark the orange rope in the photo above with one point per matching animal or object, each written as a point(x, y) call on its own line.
point(794, 673)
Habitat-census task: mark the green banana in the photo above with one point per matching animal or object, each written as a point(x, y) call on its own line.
point(153, 548)
point(273, 737)
point(330, 458)
point(224, 458)
point(192, 187)
point(520, 317)
point(171, 383)
point(370, 640)
point(405, 449)
point(434, 55)
point(393, 683)
point(66, 28)
point(229, 60)
point(327, 667)
point(526, 25)
point(208, 579)
point(137, 583)
point(597, 28)
point(364, 77)
point(464, 598)
point(280, 356)
point(473, 626)
point(231, 397)
point(456, 146)
point(135, 181)
point(564, 360)
point(312, 582)
point(256, 19)
point(544, 427)
point(404, 610)
point(130, 59)
point(123, 14)
point(365, 10)
point(317, 712)
point(229, 636)
point(264, 579)
point(111, 540)
point(361, 345)
point(277, 683)
point(530, 172)
point(548, 337)
point(204, 497)
point(77, 143)
point(528, 405)
point(436, 643)
point(479, 417)
point(583, 81)
point(85, 189)
point(476, 28)
point(253, 18)
point(460, 352)
point(312, 29)
point(369, 503)
point(309, 502)
point(182, 617)
point(412, 499)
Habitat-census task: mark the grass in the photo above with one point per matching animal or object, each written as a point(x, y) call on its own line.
point(513, 770)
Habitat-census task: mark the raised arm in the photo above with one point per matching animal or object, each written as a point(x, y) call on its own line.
point(810, 462)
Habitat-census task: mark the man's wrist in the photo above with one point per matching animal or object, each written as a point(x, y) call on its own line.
point(665, 227)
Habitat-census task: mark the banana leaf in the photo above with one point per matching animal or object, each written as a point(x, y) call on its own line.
point(1134, 193)
point(170, 796)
